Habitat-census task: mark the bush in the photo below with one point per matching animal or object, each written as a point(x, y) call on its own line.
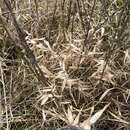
point(61, 61)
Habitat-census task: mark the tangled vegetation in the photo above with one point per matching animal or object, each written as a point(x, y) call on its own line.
point(64, 61)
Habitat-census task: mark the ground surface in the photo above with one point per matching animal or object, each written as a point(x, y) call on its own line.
point(62, 61)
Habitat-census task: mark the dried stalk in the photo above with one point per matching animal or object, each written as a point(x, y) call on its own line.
point(28, 56)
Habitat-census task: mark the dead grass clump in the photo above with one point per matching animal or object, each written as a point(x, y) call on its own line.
point(64, 63)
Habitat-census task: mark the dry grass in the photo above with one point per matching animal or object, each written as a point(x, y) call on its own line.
point(64, 62)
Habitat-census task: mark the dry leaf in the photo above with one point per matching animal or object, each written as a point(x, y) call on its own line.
point(76, 120)
point(92, 110)
point(45, 70)
point(86, 125)
point(92, 120)
point(44, 98)
point(97, 115)
point(43, 115)
point(102, 31)
point(70, 115)
point(105, 93)
point(119, 119)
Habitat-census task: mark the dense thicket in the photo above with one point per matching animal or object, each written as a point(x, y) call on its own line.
point(61, 61)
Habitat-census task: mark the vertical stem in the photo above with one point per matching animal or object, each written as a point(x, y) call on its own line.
point(5, 97)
